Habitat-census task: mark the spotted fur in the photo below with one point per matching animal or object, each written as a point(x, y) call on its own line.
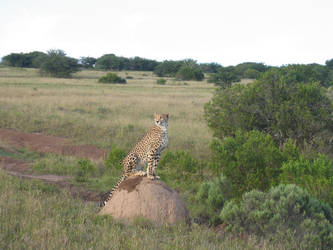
point(148, 149)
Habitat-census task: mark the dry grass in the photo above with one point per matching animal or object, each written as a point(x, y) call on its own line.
point(104, 114)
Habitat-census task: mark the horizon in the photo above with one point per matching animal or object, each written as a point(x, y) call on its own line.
point(224, 32)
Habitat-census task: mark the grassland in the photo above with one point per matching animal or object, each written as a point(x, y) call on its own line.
point(104, 114)
point(36, 215)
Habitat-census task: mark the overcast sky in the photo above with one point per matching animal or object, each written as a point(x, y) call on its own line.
point(227, 32)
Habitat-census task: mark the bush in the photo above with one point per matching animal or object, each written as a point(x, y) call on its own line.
point(300, 111)
point(111, 78)
point(212, 196)
point(249, 160)
point(115, 158)
point(161, 81)
point(181, 171)
point(314, 175)
point(57, 64)
point(286, 213)
point(189, 72)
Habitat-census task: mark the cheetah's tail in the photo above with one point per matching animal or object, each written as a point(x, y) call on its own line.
point(109, 194)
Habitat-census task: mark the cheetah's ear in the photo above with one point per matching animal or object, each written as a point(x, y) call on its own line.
point(167, 115)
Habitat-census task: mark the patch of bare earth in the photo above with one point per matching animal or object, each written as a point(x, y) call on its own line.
point(48, 144)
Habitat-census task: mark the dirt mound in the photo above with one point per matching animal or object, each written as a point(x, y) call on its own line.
point(151, 199)
point(50, 144)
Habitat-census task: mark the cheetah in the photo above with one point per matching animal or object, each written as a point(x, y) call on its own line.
point(148, 149)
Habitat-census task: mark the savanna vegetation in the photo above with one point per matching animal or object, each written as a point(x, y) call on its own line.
point(252, 161)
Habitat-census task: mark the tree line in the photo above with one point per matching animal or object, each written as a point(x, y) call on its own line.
point(56, 63)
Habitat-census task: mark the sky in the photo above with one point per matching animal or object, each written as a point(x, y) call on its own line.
point(228, 32)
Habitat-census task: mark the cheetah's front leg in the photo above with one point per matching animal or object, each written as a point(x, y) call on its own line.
point(157, 159)
point(151, 169)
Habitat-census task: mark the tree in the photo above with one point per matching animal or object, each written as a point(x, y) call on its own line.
point(168, 68)
point(329, 63)
point(300, 111)
point(88, 62)
point(224, 77)
point(57, 64)
point(26, 60)
point(16, 60)
point(110, 62)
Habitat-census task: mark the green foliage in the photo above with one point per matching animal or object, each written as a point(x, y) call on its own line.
point(115, 158)
point(110, 62)
point(329, 63)
point(113, 62)
point(88, 62)
point(224, 77)
point(210, 67)
point(161, 81)
point(111, 78)
point(85, 169)
point(314, 175)
point(212, 196)
point(251, 73)
point(249, 160)
point(306, 73)
point(300, 111)
point(26, 60)
point(241, 69)
point(286, 212)
point(178, 165)
point(189, 72)
point(168, 68)
point(57, 64)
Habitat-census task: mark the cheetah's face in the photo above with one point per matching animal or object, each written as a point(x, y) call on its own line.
point(161, 120)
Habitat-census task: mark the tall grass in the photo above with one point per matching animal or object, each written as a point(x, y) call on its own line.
point(101, 114)
point(34, 215)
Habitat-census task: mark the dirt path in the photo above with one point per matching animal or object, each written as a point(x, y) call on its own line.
point(48, 144)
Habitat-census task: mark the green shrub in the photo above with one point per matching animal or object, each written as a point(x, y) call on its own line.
point(212, 196)
point(115, 158)
point(190, 72)
point(300, 111)
point(314, 175)
point(180, 170)
point(85, 169)
point(250, 160)
point(286, 213)
point(161, 81)
point(178, 165)
point(111, 78)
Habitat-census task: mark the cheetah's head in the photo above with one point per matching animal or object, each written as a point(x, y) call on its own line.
point(161, 120)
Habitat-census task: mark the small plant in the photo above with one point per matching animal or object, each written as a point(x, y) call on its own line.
point(111, 78)
point(161, 81)
point(86, 168)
